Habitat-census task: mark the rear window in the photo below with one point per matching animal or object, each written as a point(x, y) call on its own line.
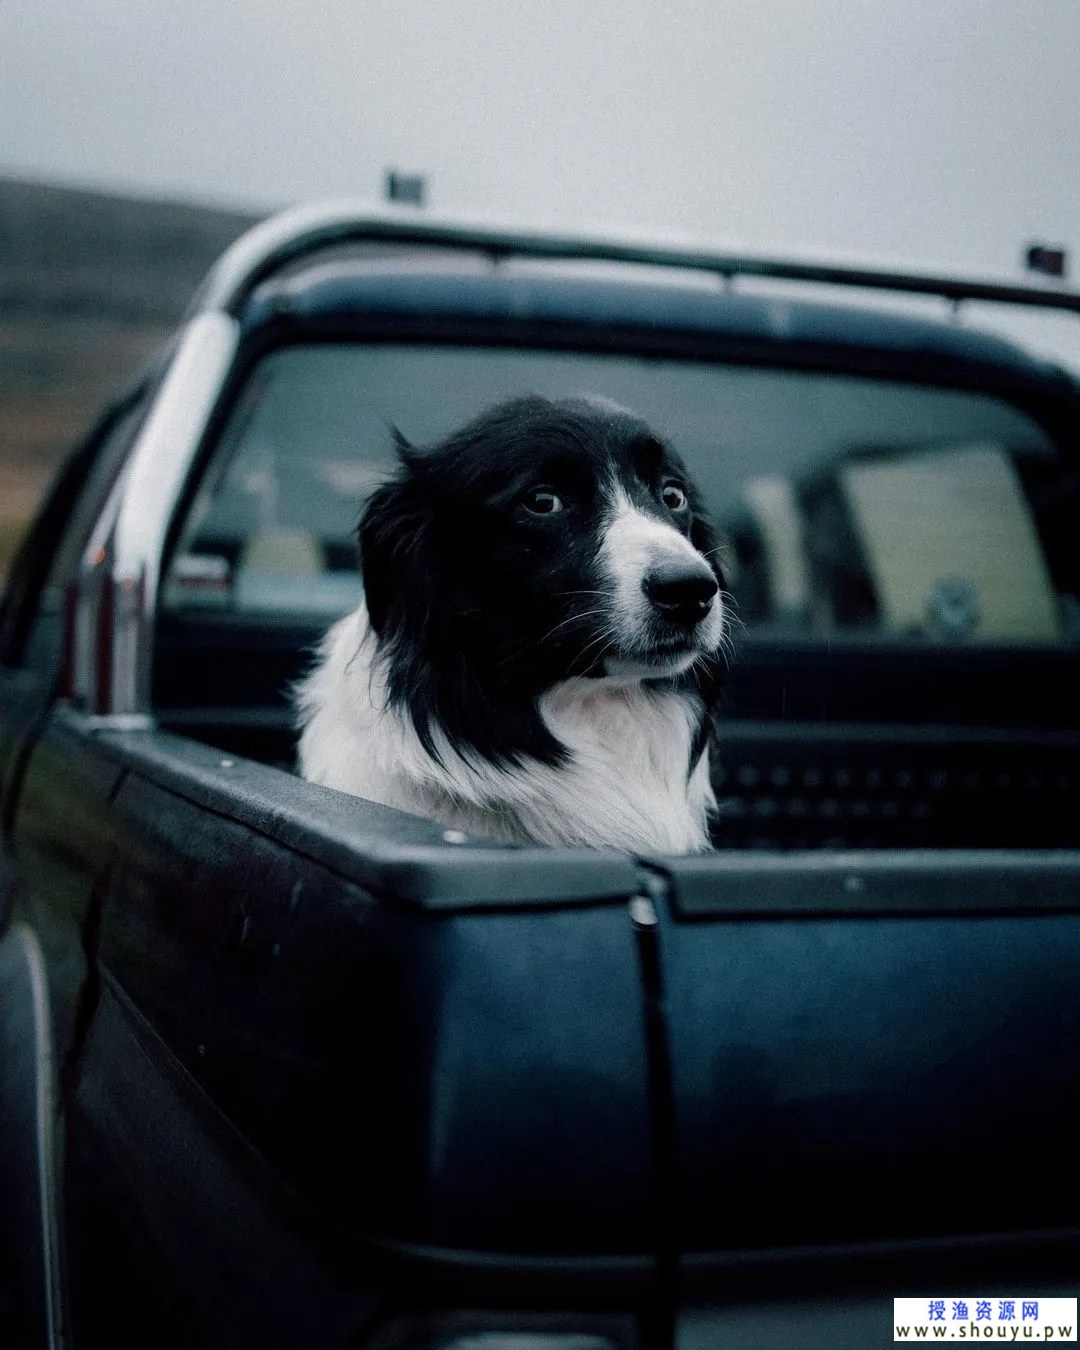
point(851, 507)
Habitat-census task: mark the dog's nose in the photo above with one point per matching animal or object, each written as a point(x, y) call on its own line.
point(682, 592)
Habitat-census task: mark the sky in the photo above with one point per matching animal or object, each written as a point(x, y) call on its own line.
point(936, 132)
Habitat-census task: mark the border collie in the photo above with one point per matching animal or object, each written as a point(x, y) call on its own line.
point(538, 653)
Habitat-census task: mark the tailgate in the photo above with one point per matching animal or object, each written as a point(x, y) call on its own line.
point(871, 1051)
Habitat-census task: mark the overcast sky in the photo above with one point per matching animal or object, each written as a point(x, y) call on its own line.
point(929, 130)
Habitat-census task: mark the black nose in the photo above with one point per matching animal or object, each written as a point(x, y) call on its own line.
point(681, 591)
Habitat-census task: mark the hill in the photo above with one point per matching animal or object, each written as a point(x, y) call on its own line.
point(90, 284)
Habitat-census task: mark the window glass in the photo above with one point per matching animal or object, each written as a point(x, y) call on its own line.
point(850, 505)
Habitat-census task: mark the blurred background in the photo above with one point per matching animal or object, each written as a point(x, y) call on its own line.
point(137, 140)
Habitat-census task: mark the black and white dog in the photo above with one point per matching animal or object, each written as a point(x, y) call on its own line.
point(539, 650)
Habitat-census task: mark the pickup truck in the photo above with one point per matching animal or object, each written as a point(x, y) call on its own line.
point(284, 1068)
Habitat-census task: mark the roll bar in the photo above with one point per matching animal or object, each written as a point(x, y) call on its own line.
point(287, 237)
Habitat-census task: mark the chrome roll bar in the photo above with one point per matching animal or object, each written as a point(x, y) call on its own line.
point(286, 237)
point(116, 604)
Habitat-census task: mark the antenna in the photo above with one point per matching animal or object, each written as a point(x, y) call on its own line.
point(408, 188)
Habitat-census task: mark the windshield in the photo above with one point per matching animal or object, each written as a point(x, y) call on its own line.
point(850, 506)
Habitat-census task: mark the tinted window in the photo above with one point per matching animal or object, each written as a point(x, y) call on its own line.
point(851, 506)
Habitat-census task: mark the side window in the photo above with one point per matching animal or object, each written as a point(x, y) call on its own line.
point(937, 543)
point(962, 559)
point(271, 529)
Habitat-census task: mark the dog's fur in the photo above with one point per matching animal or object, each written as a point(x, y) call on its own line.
point(538, 654)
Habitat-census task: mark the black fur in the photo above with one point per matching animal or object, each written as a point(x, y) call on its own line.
point(480, 605)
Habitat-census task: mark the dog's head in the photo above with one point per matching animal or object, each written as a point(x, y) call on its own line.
point(543, 541)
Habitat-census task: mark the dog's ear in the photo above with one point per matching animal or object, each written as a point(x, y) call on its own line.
point(396, 550)
point(408, 455)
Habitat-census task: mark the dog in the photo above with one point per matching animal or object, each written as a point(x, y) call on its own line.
point(539, 651)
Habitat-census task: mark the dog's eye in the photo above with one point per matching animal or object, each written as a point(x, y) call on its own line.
point(674, 497)
point(542, 502)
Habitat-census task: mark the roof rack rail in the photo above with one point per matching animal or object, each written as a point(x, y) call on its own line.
point(292, 234)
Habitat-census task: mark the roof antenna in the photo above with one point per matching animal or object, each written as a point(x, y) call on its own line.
point(1050, 260)
point(410, 189)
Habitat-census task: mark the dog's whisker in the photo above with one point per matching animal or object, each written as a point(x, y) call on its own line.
point(609, 638)
point(731, 609)
point(605, 640)
point(574, 618)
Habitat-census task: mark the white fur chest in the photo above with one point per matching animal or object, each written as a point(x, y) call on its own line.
point(624, 786)
point(627, 778)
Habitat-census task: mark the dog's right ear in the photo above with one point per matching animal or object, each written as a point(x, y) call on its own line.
point(407, 453)
point(396, 547)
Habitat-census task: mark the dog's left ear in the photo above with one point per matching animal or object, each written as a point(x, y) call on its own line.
point(396, 550)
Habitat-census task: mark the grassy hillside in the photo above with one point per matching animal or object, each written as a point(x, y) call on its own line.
point(90, 284)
